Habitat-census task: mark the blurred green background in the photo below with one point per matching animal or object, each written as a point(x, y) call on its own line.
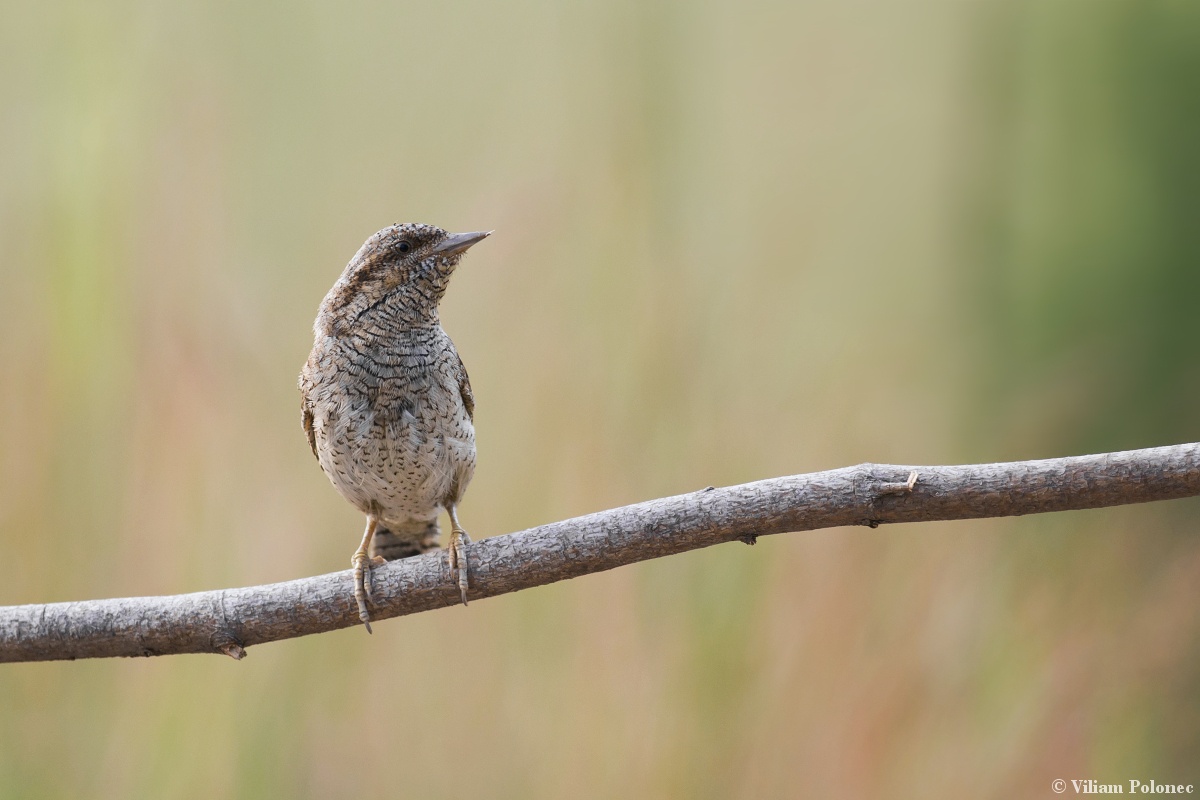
point(734, 241)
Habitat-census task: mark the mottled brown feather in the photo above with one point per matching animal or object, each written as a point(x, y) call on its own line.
point(307, 413)
point(464, 388)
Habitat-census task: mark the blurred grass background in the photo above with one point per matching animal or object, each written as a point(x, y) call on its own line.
point(734, 240)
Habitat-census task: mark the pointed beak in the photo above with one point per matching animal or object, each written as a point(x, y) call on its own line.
point(456, 243)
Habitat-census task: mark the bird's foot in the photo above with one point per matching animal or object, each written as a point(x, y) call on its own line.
point(903, 487)
point(458, 558)
point(362, 564)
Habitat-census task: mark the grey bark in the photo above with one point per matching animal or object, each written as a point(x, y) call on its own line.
point(230, 620)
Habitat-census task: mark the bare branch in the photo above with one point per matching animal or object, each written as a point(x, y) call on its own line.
point(230, 620)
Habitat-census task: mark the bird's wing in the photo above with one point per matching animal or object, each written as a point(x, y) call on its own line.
point(464, 387)
point(306, 410)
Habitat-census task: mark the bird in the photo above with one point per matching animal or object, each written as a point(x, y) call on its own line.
point(386, 402)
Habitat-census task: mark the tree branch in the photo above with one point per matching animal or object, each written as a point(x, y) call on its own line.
point(227, 621)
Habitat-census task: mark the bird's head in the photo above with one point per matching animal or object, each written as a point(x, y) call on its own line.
point(399, 275)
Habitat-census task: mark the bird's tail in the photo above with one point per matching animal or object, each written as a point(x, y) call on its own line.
point(401, 541)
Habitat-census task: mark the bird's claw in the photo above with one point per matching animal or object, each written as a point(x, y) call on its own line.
point(363, 583)
point(458, 559)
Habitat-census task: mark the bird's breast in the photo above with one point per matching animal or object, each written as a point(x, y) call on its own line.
point(391, 428)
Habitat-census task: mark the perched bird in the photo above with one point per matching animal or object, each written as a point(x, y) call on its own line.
point(386, 402)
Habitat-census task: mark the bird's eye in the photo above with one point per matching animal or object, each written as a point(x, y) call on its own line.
point(404, 247)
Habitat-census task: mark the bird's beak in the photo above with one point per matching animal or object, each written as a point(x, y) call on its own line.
point(456, 243)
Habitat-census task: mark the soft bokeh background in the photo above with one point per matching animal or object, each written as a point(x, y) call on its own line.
point(734, 241)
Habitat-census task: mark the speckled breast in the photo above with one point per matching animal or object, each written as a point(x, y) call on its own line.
point(390, 424)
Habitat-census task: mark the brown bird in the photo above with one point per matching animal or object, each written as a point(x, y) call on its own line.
point(386, 402)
